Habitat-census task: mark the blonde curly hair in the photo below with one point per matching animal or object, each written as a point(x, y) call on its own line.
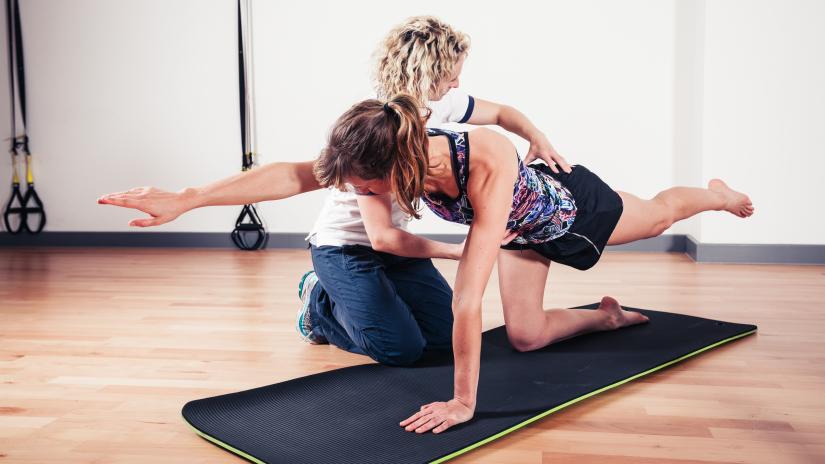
point(416, 56)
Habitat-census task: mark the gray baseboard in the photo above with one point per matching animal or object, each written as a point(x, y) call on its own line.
point(660, 244)
point(142, 239)
point(754, 254)
point(699, 252)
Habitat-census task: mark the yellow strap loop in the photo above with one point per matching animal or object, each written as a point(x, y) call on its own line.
point(29, 175)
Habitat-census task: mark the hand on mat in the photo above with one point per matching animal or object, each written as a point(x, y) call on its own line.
point(438, 417)
point(540, 148)
point(163, 206)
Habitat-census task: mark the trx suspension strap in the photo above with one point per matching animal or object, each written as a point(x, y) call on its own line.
point(250, 233)
point(21, 208)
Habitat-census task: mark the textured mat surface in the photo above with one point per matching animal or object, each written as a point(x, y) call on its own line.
point(351, 415)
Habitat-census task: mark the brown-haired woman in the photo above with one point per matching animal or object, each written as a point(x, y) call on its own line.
point(382, 147)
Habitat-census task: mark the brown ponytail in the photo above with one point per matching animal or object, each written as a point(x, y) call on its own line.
point(379, 140)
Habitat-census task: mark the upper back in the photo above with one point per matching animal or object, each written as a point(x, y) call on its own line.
point(541, 207)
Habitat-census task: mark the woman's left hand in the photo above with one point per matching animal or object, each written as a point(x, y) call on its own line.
point(540, 148)
point(509, 235)
point(438, 417)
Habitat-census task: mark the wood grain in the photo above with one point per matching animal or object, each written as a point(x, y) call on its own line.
point(100, 348)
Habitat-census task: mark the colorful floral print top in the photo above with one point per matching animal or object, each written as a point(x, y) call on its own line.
point(542, 208)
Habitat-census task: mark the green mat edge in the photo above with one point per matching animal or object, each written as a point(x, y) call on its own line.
point(517, 426)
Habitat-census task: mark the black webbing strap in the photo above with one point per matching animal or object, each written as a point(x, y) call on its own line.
point(20, 207)
point(249, 233)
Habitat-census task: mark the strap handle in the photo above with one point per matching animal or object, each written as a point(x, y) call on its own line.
point(249, 233)
point(21, 208)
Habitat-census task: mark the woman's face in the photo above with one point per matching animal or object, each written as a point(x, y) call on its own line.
point(443, 87)
point(369, 187)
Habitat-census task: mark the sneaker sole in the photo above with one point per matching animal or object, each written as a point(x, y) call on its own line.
point(299, 320)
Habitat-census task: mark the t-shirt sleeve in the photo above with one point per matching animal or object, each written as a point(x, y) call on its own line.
point(461, 106)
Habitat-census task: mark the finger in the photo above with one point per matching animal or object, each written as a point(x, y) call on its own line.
point(444, 426)
point(553, 167)
point(125, 202)
point(146, 222)
point(421, 421)
point(529, 158)
point(563, 164)
point(410, 419)
point(118, 193)
point(509, 238)
point(429, 425)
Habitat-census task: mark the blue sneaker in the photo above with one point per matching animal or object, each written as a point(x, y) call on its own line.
point(303, 322)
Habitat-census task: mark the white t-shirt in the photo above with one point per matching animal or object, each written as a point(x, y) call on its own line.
point(339, 222)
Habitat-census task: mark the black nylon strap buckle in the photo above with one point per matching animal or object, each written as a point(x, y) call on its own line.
point(249, 233)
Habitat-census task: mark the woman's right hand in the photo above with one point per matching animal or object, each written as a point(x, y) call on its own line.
point(163, 206)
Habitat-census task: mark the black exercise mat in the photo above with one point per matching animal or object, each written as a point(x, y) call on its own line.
point(351, 415)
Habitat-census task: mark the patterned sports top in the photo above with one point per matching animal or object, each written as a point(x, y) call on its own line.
point(542, 208)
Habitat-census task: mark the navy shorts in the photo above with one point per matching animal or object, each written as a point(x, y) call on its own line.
point(598, 209)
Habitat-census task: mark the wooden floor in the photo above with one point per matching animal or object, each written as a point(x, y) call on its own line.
point(100, 348)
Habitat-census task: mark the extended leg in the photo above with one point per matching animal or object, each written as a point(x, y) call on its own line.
point(650, 218)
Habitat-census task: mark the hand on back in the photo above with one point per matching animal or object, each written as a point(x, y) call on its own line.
point(540, 148)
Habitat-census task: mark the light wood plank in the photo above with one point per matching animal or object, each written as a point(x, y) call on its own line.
point(100, 348)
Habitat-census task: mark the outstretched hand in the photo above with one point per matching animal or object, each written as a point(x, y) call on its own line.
point(540, 148)
point(163, 206)
point(438, 417)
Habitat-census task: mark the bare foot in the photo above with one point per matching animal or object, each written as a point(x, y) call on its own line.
point(618, 317)
point(736, 203)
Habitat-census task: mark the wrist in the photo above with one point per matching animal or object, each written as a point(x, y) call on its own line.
point(536, 136)
point(466, 402)
point(190, 198)
point(456, 250)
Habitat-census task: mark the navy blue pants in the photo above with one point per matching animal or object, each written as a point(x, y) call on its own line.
point(381, 305)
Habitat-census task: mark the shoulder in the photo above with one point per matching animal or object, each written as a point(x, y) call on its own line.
point(455, 106)
point(492, 155)
point(489, 146)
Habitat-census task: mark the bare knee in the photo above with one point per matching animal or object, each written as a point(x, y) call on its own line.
point(523, 340)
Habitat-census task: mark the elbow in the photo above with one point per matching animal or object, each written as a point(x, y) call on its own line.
point(380, 242)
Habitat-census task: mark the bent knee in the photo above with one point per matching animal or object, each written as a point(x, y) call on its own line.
point(523, 341)
point(397, 352)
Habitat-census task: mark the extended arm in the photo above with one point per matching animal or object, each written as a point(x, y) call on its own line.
point(490, 191)
point(376, 211)
point(513, 120)
point(272, 181)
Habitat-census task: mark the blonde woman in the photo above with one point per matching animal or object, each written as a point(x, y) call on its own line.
point(357, 240)
point(384, 148)
point(374, 289)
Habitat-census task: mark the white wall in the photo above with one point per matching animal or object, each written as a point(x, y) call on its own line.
point(123, 94)
point(764, 117)
point(135, 93)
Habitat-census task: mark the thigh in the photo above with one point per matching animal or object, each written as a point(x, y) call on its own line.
point(364, 300)
point(428, 295)
point(639, 219)
point(522, 276)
